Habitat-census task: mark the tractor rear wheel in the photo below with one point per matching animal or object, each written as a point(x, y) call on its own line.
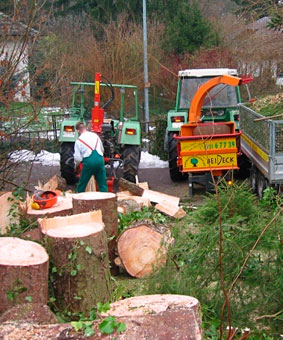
point(131, 156)
point(67, 164)
point(175, 173)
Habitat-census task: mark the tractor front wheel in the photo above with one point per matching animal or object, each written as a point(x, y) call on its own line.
point(175, 173)
point(67, 164)
point(131, 156)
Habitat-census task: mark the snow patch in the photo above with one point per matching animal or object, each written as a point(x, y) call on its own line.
point(53, 159)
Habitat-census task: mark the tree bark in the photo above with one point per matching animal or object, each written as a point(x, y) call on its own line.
point(80, 266)
point(129, 186)
point(142, 247)
point(154, 317)
point(24, 273)
point(107, 203)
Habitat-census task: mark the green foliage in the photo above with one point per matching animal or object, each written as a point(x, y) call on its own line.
point(106, 326)
point(22, 224)
point(145, 213)
point(187, 30)
point(157, 138)
point(193, 265)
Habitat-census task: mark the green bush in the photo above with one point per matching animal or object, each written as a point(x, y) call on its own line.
point(193, 265)
point(157, 138)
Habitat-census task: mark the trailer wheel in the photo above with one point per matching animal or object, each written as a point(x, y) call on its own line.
point(261, 185)
point(67, 164)
point(131, 156)
point(253, 178)
point(175, 173)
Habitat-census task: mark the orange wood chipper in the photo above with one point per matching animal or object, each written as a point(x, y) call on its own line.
point(210, 149)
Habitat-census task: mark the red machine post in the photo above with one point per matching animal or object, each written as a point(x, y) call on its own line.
point(97, 114)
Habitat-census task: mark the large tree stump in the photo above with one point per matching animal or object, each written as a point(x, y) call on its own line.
point(63, 207)
point(23, 272)
point(159, 317)
point(107, 203)
point(80, 266)
point(142, 247)
point(154, 317)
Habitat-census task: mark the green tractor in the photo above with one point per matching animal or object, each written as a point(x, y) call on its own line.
point(121, 137)
point(220, 105)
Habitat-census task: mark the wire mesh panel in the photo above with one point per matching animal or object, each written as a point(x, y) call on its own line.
point(278, 136)
point(259, 131)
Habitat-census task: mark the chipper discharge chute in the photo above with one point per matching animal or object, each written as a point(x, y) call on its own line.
point(211, 149)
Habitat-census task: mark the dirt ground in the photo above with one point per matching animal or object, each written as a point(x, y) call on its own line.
point(27, 175)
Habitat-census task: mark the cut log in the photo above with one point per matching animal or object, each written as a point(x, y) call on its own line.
point(7, 200)
point(159, 317)
point(78, 251)
point(30, 312)
point(91, 185)
point(158, 197)
point(154, 317)
point(132, 187)
point(63, 207)
point(54, 183)
point(24, 272)
point(145, 202)
point(143, 247)
point(170, 210)
point(107, 203)
point(127, 206)
point(143, 185)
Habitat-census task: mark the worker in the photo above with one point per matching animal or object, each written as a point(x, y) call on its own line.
point(89, 150)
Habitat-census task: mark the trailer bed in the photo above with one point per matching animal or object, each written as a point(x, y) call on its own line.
point(262, 143)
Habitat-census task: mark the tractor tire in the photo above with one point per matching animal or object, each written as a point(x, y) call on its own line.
point(131, 156)
point(67, 164)
point(175, 174)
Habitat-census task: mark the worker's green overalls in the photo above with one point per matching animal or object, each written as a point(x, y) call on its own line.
point(93, 165)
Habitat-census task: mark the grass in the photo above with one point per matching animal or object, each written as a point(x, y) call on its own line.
point(193, 263)
point(269, 105)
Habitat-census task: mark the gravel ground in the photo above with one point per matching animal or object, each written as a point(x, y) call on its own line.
point(28, 175)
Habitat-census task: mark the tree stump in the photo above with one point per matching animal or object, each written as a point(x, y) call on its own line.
point(24, 273)
point(143, 247)
point(107, 203)
point(80, 266)
point(159, 317)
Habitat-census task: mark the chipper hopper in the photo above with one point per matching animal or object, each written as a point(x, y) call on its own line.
point(210, 149)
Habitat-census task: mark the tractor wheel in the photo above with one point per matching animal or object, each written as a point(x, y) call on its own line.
point(261, 185)
point(131, 156)
point(67, 163)
point(253, 178)
point(175, 173)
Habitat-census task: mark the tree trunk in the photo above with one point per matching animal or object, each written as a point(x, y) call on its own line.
point(154, 317)
point(131, 187)
point(142, 247)
point(24, 273)
point(63, 207)
point(80, 266)
point(159, 317)
point(107, 203)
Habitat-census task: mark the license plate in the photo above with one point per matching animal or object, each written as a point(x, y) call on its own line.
point(68, 134)
point(177, 125)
